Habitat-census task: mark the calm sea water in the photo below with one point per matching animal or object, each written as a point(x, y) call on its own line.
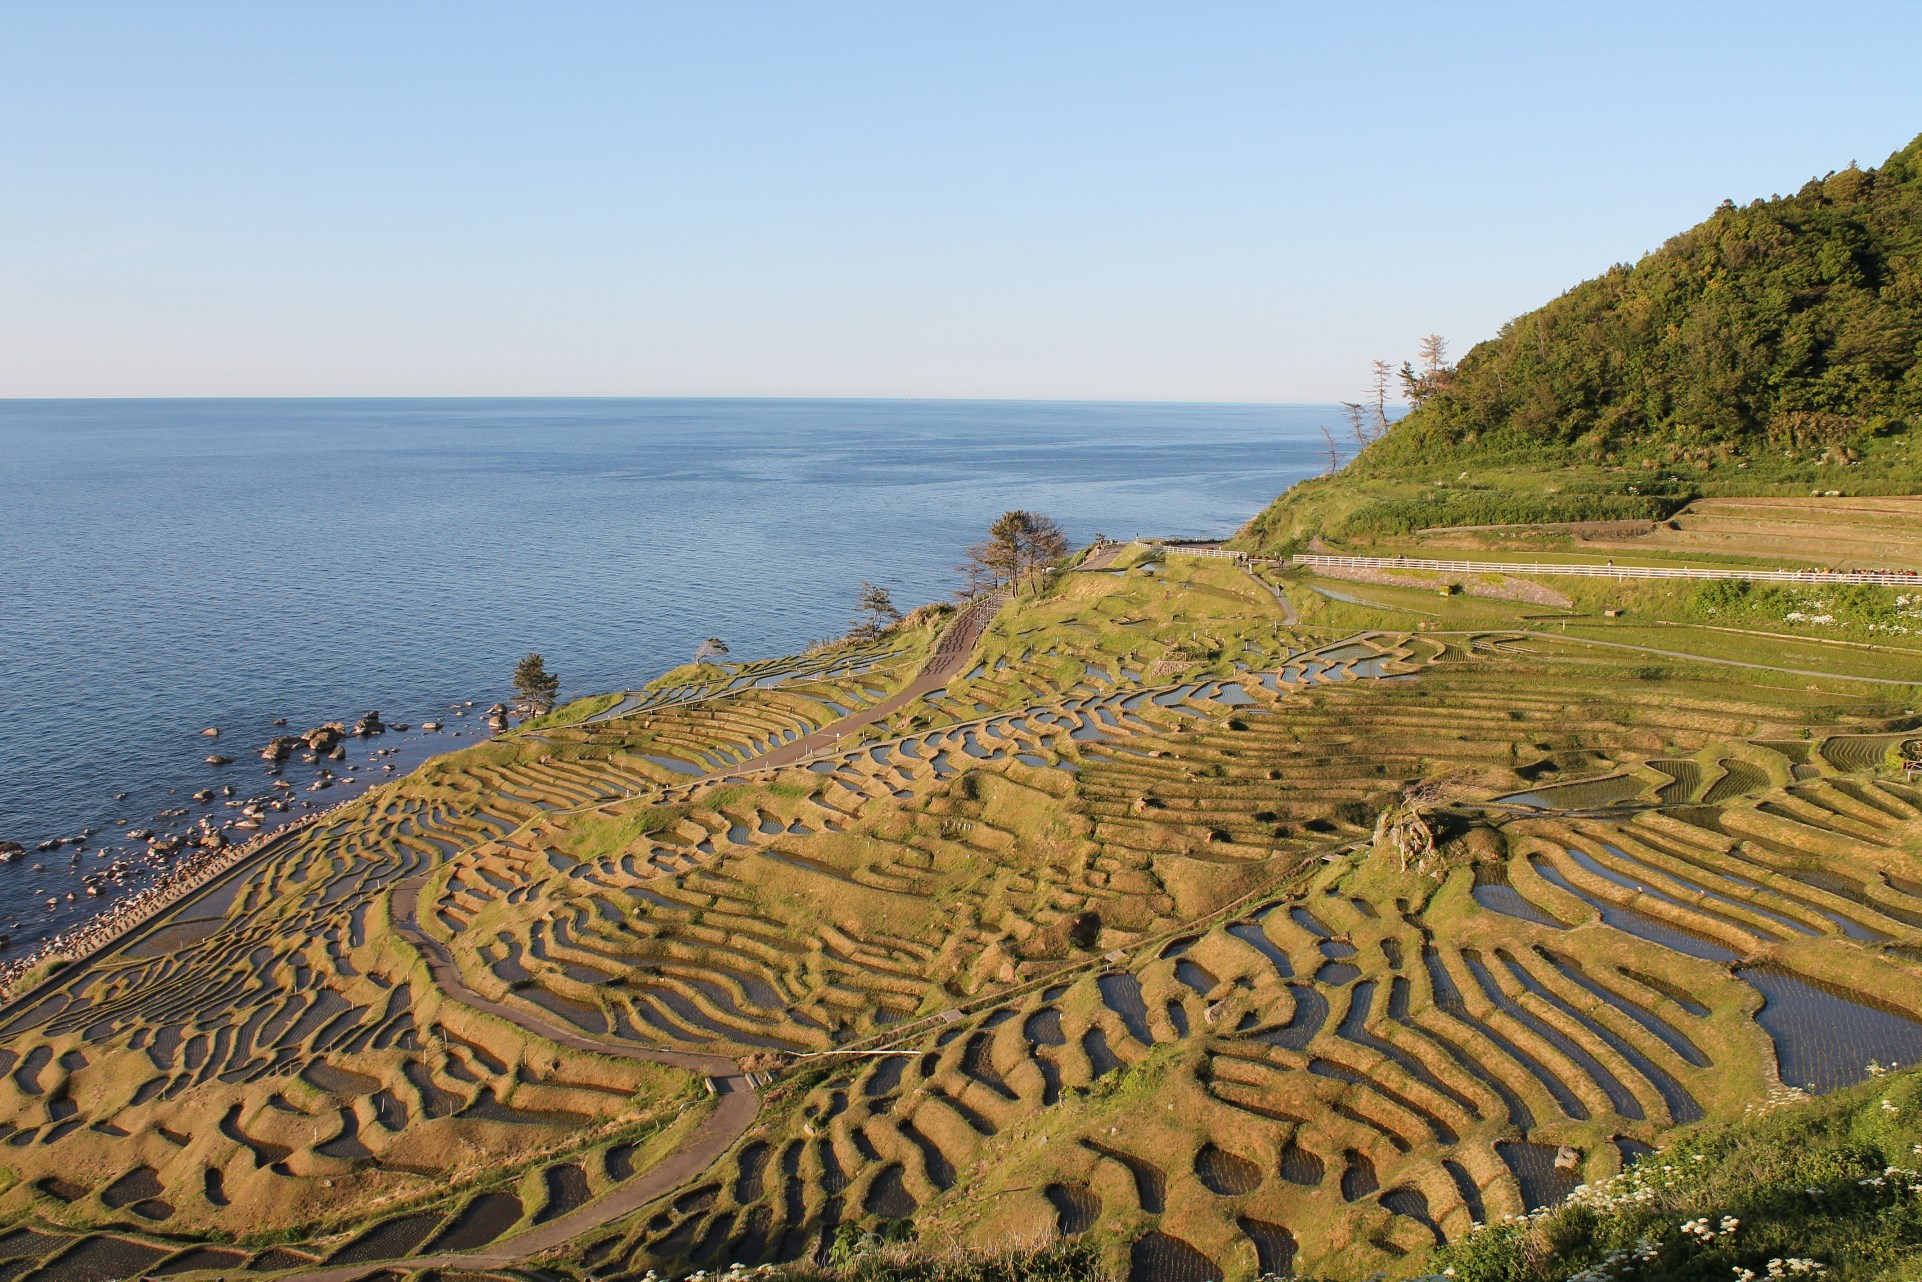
point(171, 565)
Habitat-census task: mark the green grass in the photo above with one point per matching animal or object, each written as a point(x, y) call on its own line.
point(569, 714)
point(1832, 1181)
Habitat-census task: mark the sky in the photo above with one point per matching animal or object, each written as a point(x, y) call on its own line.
point(1180, 201)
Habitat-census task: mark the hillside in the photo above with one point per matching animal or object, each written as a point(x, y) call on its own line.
point(1202, 917)
point(1772, 349)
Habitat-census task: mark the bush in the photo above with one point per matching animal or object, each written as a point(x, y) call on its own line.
point(1405, 516)
point(1824, 1188)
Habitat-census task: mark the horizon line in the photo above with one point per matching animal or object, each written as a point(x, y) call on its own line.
point(589, 396)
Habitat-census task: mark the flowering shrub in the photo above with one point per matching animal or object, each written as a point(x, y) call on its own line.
point(889, 1254)
point(1798, 1189)
point(1838, 607)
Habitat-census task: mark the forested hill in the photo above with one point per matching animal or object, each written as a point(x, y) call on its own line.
point(1789, 324)
point(1776, 343)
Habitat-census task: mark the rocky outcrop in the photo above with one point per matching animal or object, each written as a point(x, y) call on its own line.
point(369, 724)
point(324, 739)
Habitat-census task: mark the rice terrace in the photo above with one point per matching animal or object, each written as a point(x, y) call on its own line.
point(1229, 921)
point(1498, 858)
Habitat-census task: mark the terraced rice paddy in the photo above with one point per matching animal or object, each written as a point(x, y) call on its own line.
point(1097, 939)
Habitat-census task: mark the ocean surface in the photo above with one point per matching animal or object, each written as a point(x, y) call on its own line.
point(172, 565)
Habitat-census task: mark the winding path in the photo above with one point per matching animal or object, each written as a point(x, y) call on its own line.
point(738, 1101)
point(1704, 658)
point(949, 660)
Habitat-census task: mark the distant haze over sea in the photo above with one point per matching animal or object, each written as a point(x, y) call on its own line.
point(172, 565)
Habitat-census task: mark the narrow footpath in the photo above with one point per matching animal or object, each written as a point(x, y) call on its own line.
point(738, 1101)
point(735, 1110)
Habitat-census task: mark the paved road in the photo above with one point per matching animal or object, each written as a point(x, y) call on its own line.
point(1888, 578)
point(949, 660)
point(1727, 663)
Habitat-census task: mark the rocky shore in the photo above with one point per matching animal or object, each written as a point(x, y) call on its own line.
point(182, 879)
point(136, 868)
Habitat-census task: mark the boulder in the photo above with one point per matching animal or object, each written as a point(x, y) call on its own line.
point(10, 849)
point(212, 732)
point(323, 739)
point(205, 794)
point(430, 725)
point(279, 748)
point(215, 759)
point(369, 724)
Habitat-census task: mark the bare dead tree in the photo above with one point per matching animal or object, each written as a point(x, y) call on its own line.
point(1334, 452)
point(1379, 374)
point(1357, 415)
point(1406, 824)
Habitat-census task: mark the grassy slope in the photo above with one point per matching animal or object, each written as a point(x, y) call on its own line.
point(1831, 1180)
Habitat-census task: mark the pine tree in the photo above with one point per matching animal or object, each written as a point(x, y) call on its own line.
point(1019, 544)
point(535, 688)
point(875, 613)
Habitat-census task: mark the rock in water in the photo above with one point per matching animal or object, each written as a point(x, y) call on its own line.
point(212, 732)
point(323, 739)
point(215, 759)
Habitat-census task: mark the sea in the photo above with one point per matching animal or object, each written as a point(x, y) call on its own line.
point(170, 566)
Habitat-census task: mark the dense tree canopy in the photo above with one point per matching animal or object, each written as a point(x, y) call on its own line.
point(1792, 324)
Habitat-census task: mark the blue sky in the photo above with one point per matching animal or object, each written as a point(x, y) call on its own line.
point(1180, 201)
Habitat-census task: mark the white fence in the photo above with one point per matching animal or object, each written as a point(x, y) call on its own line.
point(1891, 578)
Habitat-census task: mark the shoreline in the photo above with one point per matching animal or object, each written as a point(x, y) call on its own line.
point(124, 916)
point(162, 880)
point(122, 860)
